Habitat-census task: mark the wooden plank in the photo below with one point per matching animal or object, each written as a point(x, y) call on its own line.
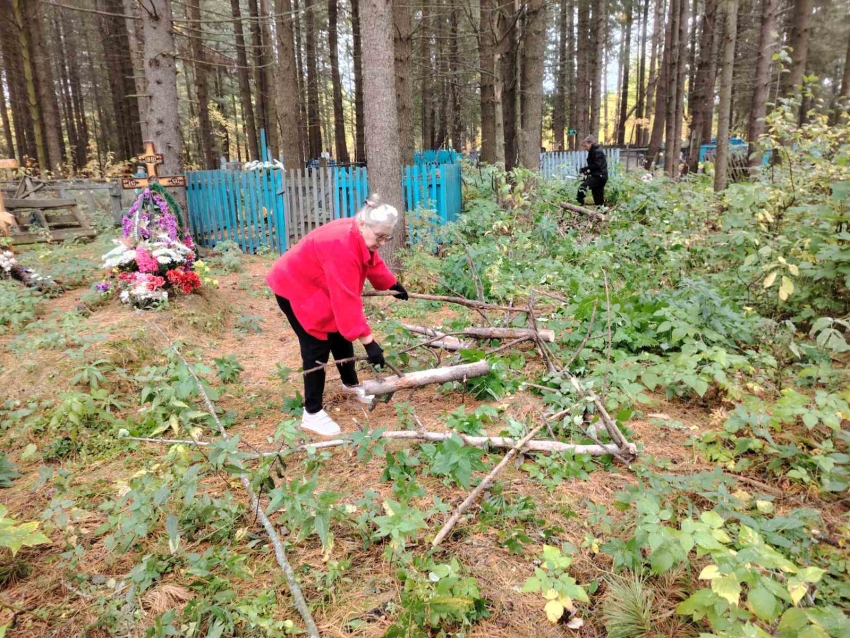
point(279, 210)
point(56, 235)
point(286, 177)
point(323, 207)
point(260, 209)
point(299, 193)
point(19, 204)
point(315, 198)
point(245, 209)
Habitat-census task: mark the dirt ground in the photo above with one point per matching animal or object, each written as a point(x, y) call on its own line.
point(44, 603)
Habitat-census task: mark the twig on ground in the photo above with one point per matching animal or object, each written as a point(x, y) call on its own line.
point(608, 354)
point(586, 336)
point(469, 303)
point(508, 346)
point(484, 484)
point(280, 552)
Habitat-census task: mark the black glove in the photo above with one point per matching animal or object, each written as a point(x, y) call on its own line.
point(375, 354)
point(584, 170)
point(402, 293)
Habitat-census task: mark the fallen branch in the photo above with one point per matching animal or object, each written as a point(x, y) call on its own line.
point(610, 425)
point(484, 484)
point(388, 385)
point(469, 303)
point(425, 435)
point(593, 214)
point(488, 333)
point(280, 552)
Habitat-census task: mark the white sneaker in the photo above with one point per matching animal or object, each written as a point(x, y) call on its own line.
point(320, 423)
point(358, 393)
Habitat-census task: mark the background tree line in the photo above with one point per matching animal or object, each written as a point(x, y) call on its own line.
point(501, 76)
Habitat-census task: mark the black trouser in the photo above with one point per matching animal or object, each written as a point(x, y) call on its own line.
point(596, 186)
point(315, 351)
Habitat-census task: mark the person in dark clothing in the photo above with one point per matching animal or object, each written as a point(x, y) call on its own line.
point(595, 173)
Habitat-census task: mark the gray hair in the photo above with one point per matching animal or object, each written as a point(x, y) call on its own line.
point(374, 213)
point(590, 139)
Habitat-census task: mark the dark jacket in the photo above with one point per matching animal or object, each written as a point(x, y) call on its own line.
point(597, 165)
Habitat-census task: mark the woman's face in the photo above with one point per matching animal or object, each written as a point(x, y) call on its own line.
point(375, 236)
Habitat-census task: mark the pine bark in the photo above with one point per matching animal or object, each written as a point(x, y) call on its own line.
point(534, 50)
point(340, 146)
point(33, 105)
point(9, 148)
point(314, 123)
point(800, 24)
point(679, 113)
point(725, 106)
point(268, 71)
point(441, 119)
point(845, 76)
point(287, 85)
point(624, 91)
point(702, 92)
point(454, 82)
point(597, 65)
point(671, 150)
point(136, 73)
point(582, 75)
point(571, 73)
point(403, 62)
point(360, 116)
point(640, 105)
point(655, 66)
point(661, 91)
point(382, 141)
point(193, 13)
point(303, 137)
point(257, 63)
point(427, 78)
point(242, 73)
point(46, 88)
point(162, 117)
point(559, 108)
point(487, 63)
point(766, 44)
point(508, 53)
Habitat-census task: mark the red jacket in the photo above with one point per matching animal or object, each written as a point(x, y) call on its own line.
point(322, 276)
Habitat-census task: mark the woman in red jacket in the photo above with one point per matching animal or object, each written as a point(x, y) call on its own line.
point(318, 284)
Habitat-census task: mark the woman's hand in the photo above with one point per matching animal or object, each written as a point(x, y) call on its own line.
point(402, 293)
point(375, 354)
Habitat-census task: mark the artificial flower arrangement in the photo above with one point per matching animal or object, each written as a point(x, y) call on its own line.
point(155, 256)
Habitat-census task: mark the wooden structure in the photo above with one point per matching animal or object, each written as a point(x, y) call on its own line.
point(151, 159)
point(274, 209)
point(44, 218)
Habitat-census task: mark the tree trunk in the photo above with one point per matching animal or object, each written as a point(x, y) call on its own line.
point(242, 72)
point(671, 149)
point(599, 21)
point(136, 75)
point(69, 98)
point(655, 67)
point(420, 378)
point(382, 143)
point(799, 44)
point(755, 124)
point(287, 85)
point(716, 43)
point(582, 76)
point(661, 92)
point(403, 62)
point(29, 84)
point(9, 148)
point(624, 92)
point(702, 92)
point(845, 76)
point(454, 82)
point(679, 114)
point(46, 87)
point(441, 125)
point(571, 74)
point(340, 147)
point(725, 107)
point(360, 123)
point(559, 109)
point(427, 78)
point(193, 13)
point(692, 53)
point(508, 52)
point(640, 106)
point(486, 57)
point(162, 117)
point(534, 50)
point(268, 73)
point(314, 123)
point(257, 71)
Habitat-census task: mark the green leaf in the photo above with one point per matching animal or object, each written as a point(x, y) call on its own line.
point(811, 574)
point(786, 288)
point(709, 572)
point(712, 519)
point(763, 603)
point(727, 587)
point(768, 282)
point(173, 533)
point(797, 589)
point(531, 585)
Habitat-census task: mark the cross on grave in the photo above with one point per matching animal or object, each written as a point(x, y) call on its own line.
point(151, 159)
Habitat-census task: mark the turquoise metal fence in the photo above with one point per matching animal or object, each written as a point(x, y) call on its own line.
point(274, 209)
point(442, 156)
point(567, 163)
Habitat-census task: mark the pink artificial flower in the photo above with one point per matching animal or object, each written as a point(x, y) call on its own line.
point(145, 261)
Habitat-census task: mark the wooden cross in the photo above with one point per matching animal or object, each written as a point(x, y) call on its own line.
point(151, 159)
